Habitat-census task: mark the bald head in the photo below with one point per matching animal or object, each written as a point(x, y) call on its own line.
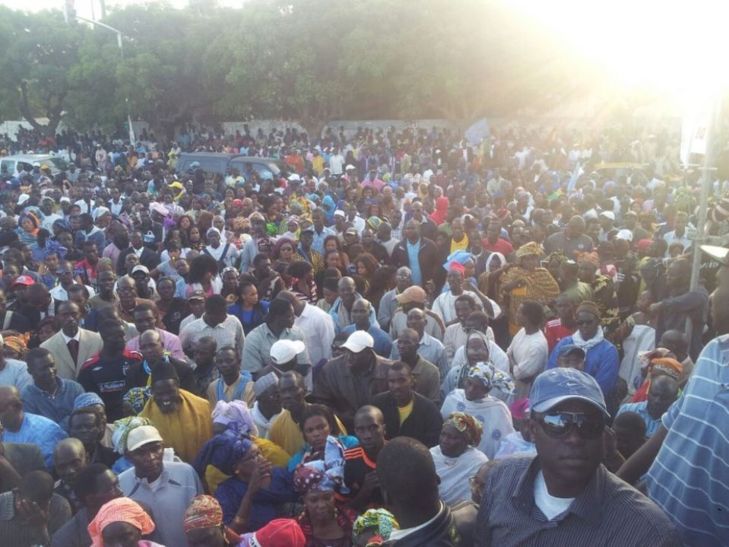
point(69, 458)
point(676, 342)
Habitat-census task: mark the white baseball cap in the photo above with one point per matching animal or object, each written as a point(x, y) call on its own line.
point(358, 341)
point(283, 351)
point(144, 434)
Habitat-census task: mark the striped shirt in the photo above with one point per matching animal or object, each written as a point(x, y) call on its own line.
point(608, 512)
point(690, 476)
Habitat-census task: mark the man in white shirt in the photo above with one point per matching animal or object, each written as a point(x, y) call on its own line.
point(217, 323)
point(49, 217)
point(445, 304)
point(336, 163)
point(225, 254)
point(316, 325)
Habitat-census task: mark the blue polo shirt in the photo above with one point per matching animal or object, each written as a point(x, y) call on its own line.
point(414, 261)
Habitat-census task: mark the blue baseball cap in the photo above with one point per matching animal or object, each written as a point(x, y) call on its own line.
point(556, 385)
point(568, 349)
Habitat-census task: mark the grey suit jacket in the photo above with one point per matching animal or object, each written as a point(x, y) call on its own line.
point(90, 344)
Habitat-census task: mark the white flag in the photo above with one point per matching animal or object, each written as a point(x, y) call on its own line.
point(132, 138)
point(695, 131)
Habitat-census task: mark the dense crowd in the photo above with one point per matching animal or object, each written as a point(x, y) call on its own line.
point(402, 339)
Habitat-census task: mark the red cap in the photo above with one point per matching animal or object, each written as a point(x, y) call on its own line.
point(23, 280)
point(280, 533)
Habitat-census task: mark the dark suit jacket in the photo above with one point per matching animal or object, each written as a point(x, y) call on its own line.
point(427, 258)
point(148, 258)
point(423, 424)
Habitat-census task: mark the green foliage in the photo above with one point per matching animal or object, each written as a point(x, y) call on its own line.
point(308, 60)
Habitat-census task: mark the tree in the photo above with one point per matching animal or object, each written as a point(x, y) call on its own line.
point(39, 53)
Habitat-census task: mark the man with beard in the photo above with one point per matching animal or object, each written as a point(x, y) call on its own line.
point(183, 419)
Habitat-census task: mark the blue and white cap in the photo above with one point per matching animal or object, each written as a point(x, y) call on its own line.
point(556, 385)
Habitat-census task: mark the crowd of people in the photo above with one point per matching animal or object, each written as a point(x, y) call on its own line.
point(403, 339)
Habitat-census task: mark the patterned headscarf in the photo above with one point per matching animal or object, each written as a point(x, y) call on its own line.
point(121, 431)
point(223, 451)
point(483, 373)
point(16, 343)
point(203, 512)
point(308, 478)
point(137, 397)
point(467, 425)
point(119, 510)
point(666, 366)
point(529, 249)
point(380, 521)
point(490, 377)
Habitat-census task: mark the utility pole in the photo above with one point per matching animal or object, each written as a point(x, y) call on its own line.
point(70, 15)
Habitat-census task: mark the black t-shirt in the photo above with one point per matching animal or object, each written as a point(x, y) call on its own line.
point(107, 378)
point(356, 466)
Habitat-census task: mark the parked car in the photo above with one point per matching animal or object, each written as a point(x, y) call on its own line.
point(221, 164)
point(12, 165)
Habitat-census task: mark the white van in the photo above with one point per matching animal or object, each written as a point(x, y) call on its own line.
point(13, 165)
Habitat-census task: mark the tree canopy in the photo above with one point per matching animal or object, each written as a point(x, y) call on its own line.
point(305, 60)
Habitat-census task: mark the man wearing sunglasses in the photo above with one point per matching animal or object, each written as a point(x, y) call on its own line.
point(565, 495)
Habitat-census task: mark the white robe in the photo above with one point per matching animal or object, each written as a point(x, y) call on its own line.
point(455, 473)
point(492, 413)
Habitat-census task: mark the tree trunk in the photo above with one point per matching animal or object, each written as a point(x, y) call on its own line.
point(53, 113)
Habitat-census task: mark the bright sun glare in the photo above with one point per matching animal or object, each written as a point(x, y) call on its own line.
point(676, 47)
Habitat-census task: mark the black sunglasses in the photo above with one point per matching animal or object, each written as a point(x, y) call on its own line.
point(558, 424)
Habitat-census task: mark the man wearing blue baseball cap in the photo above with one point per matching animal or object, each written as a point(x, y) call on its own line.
point(565, 495)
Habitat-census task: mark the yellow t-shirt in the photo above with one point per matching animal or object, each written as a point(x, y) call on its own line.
point(405, 411)
point(459, 245)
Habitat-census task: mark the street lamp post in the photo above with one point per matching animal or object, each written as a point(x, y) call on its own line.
point(120, 43)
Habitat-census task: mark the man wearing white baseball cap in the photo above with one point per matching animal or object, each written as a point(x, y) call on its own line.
point(284, 357)
point(352, 380)
point(565, 495)
point(165, 487)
